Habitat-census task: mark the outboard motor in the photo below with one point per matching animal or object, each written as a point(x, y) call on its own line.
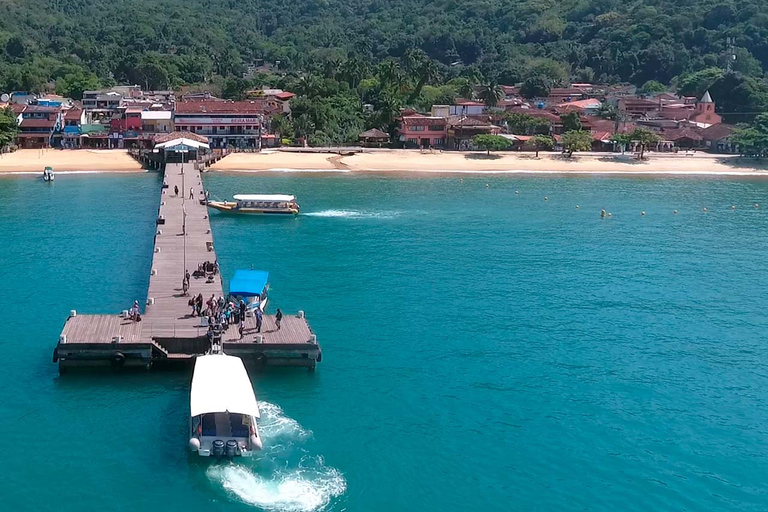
point(232, 448)
point(217, 448)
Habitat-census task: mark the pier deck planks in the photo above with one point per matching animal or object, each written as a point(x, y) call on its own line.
point(170, 315)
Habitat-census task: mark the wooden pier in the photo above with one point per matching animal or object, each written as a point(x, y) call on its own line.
point(168, 333)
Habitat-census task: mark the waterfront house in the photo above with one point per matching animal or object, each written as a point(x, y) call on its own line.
point(37, 126)
point(461, 129)
point(717, 138)
point(417, 130)
point(73, 120)
point(236, 124)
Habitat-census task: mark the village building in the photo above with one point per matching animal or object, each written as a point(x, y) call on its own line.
point(704, 115)
point(374, 138)
point(461, 129)
point(73, 119)
point(236, 124)
point(417, 130)
point(589, 106)
point(717, 138)
point(37, 126)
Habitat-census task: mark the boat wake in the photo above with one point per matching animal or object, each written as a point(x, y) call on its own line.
point(353, 214)
point(285, 477)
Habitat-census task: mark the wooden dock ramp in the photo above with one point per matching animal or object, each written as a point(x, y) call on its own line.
point(168, 332)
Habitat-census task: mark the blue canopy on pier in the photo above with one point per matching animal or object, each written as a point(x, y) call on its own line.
point(248, 283)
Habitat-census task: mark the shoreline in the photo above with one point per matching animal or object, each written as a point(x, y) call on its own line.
point(409, 162)
point(31, 162)
point(70, 161)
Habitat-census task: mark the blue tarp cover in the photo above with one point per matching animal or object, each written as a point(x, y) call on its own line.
point(247, 283)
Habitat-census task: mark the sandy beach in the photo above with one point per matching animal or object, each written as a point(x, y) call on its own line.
point(68, 160)
point(506, 162)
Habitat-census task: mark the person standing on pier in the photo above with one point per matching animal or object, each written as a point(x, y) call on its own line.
point(259, 316)
point(191, 193)
point(242, 310)
point(278, 318)
point(199, 304)
point(176, 190)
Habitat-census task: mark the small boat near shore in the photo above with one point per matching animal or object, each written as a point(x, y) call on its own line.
point(260, 204)
point(48, 174)
point(223, 409)
point(252, 286)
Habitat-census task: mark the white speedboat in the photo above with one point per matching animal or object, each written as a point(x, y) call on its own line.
point(259, 204)
point(223, 409)
point(48, 174)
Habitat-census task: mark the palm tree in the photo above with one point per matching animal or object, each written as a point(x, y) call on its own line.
point(427, 72)
point(352, 71)
point(389, 73)
point(490, 94)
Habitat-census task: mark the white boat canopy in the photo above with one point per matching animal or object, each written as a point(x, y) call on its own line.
point(186, 144)
point(265, 197)
point(221, 384)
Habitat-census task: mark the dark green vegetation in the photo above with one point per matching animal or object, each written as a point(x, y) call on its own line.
point(8, 127)
point(490, 143)
point(339, 54)
point(752, 139)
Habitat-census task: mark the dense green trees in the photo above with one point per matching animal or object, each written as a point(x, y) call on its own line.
point(576, 140)
point(644, 138)
point(490, 142)
point(542, 143)
point(400, 52)
point(8, 127)
point(752, 140)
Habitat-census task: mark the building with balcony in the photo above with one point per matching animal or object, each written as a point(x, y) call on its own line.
point(37, 126)
point(235, 124)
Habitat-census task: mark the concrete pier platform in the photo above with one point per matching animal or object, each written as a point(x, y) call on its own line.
point(168, 332)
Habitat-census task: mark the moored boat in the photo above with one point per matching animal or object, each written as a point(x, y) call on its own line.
point(259, 204)
point(251, 286)
point(48, 174)
point(223, 409)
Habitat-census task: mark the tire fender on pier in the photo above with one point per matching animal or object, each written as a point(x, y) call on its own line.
point(117, 359)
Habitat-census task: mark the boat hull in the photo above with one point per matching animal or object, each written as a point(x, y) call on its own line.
point(227, 207)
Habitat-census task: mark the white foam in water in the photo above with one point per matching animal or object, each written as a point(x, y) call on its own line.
point(275, 424)
point(352, 214)
point(284, 477)
point(294, 491)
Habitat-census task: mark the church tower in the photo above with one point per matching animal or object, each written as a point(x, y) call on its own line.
point(706, 105)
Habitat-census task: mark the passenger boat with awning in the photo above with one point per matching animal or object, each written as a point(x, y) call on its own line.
point(259, 204)
point(223, 408)
point(251, 286)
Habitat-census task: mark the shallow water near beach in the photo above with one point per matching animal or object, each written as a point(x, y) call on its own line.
point(482, 349)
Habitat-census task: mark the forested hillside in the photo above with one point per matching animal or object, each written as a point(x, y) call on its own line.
point(343, 45)
point(610, 40)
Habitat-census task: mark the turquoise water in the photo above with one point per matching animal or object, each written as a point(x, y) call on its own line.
point(483, 350)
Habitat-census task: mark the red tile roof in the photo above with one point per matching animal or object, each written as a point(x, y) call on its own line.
point(285, 95)
point(419, 120)
point(73, 114)
point(38, 123)
point(39, 108)
point(681, 133)
point(717, 131)
point(224, 107)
